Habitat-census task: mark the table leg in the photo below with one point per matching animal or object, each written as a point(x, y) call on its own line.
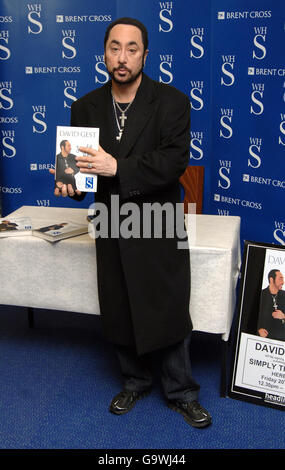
point(31, 321)
point(224, 366)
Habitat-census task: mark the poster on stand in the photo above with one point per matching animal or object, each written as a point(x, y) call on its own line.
point(258, 361)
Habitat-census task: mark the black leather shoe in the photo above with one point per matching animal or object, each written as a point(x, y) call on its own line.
point(125, 400)
point(194, 414)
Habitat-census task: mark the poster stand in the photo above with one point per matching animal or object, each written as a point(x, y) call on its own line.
point(258, 358)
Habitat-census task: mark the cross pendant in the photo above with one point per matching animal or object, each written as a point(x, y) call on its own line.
point(119, 136)
point(122, 119)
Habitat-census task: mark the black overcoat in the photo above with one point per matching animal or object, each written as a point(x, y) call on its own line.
point(143, 283)
point(274, 326)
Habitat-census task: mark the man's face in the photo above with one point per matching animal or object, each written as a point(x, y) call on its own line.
point(67, 147)
point(279, 280)
point(124, 53)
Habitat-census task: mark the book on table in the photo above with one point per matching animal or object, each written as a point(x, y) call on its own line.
point(60, 230)
point(15, 226)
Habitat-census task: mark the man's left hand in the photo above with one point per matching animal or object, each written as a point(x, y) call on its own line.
point(102, 162)
point(278, 314)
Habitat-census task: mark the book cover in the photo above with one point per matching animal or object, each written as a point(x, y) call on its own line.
point(68, 141)
point(60, 230)
point(15, 226)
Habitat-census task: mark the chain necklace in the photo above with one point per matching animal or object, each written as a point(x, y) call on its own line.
point(275, 306)
point(65, 161)
point(122, 117)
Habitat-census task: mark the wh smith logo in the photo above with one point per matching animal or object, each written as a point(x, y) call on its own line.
point(89, 182)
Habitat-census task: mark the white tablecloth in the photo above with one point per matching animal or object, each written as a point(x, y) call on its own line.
point(63, 276)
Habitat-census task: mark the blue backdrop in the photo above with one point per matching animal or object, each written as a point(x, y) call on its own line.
point(226, 55)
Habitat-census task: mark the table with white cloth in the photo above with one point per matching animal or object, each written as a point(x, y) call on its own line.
point(63, 276)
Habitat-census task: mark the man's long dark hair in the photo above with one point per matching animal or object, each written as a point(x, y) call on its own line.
point(130, 21)
point(272, 274)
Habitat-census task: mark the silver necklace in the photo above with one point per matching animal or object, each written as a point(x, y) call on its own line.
point(65, 162)
point(275, 306)
point(122, 117)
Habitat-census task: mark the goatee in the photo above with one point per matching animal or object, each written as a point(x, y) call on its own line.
point(131, 79)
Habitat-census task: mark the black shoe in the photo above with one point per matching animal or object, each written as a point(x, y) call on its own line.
point(125, 400)
point(194, 414)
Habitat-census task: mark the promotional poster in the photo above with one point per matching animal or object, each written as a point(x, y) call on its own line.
point(258, 371)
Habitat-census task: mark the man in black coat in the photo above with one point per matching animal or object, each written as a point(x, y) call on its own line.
point(65, 165)
point(271, 320)
point(143, 280)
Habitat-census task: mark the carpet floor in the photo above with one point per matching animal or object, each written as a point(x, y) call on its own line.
point(58, 378)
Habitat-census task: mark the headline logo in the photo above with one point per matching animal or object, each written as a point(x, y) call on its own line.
point(165, 16)
point(270, 398)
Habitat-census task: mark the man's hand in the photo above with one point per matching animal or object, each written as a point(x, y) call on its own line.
point(262, 332)
point(278, 314)
point(64, 189)
point(69, 171)
point(102, 162)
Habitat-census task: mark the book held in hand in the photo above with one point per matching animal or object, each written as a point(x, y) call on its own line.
point(60, 231)
point(68, 141)
point(15, 226)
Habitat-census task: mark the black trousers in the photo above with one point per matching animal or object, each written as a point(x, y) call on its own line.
point(176, 374)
